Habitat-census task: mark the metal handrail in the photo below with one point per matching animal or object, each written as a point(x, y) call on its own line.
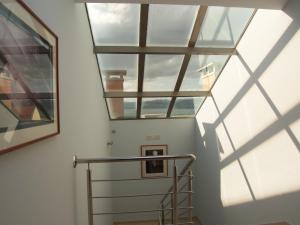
point(174, 190)
point(139, 211)
point(130, 212)
point(141, 195)
point(133, 179)
point(76, 160)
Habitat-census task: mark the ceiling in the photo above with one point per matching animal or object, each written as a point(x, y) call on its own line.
point(161, 61)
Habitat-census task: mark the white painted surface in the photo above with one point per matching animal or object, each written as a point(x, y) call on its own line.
point(38, 185)
point(248, 164)
point(129, 136)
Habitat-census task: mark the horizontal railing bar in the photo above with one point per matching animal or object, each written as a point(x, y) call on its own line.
point(130, 196)
point(185, 192)
point(163, 50)
point(131, 159)
point(188, 207)
point(131, 212)
point(185, 223)
point(139, 211)
point(135, 179)
point(131, 179)
point(139, 195)
point(180, 192)
point(168, 212)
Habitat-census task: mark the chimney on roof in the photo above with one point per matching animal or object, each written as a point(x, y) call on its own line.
point(115, 82)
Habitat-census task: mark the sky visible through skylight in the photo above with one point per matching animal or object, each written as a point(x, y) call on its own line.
point(168, 26)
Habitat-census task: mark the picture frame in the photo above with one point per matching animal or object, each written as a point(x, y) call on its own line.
point(29, 84)
point(154, 168)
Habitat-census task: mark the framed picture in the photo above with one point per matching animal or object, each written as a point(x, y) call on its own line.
point(154, 168)
point(29, 104)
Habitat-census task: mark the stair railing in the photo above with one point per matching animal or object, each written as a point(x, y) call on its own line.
point(174, 191)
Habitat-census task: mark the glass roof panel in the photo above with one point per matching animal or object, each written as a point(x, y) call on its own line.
point(119, 72)
point(170, 24)
point(114, 24)
point(202, 72)
point(122, 108)
point(186, 106)
point(161, 72)
point(155, 107)
point(223, 26)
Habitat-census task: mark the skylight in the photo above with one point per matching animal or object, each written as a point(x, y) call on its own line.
point(161, 61)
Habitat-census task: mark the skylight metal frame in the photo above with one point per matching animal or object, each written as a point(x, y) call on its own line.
point(142, 50)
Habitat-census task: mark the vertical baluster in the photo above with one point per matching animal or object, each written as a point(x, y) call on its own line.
point(162, 214)
point(172, 206)
point(175, 190)
point(89, 196)
point(190, 188)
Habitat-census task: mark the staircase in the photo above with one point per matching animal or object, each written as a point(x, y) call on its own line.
point(175, 206)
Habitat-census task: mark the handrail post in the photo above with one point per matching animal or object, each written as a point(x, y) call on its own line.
point(172, 206)
point(175, 190)
point(89, 197)
point(162, 214)
point(190, 188)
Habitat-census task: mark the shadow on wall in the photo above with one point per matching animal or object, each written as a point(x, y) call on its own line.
point(254, 179)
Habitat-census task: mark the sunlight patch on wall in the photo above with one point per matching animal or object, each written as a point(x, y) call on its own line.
point(256, 54)
point(234, 188)
point(252, 107)
point(273, 168)
point(234, 76)
point(278, 80)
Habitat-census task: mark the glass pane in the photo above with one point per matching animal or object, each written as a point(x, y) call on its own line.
point(161, 72)
point(48, 106)
point(202, 72)
point(114, 24)
point(119, 72)
point(155, 107)
point(35, 70)
point(120, 108)
point(186, 106)
point(26, 74)
point(223, 26)
point(26, 57)
point(170, 24)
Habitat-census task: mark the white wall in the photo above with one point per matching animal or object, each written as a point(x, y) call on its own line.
point(248, 133)
point(38, 185)
point(127, 141)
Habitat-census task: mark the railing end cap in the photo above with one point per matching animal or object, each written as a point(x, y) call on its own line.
point(74, 161)
point(193, 156)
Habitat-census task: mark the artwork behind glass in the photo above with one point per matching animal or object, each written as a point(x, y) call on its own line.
point(154, 168)
point(28, 77)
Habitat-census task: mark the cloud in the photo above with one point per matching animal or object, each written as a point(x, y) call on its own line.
point(114, 24)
